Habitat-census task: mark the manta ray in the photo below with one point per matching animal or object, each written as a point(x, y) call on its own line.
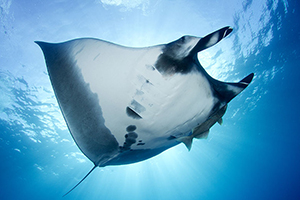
point(124, 105)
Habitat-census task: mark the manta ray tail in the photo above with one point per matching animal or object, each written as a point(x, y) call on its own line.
point(81, 180)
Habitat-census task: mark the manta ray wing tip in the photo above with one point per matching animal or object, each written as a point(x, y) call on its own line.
point(247, 80)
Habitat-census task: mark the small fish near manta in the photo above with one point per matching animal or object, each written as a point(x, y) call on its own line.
point(123, 105)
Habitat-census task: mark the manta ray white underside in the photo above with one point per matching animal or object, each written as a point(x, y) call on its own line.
point(124, 105)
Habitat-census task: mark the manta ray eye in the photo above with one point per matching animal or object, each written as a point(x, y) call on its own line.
point(183, 39)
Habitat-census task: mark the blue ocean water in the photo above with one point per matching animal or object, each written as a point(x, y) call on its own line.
point(255, 154)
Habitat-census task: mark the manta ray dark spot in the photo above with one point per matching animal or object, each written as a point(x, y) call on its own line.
point(131, 128)
point(132, 135)
point(128, 142)
point(130, 138)
point(168, 65)
point(140, 143)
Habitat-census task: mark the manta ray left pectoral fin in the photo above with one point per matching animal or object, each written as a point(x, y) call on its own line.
point(81, 180)
point(187, 141)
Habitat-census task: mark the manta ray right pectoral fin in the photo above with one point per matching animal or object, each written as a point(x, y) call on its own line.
point(81, 180)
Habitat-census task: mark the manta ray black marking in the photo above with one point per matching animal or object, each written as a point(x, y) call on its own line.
point(124, 105)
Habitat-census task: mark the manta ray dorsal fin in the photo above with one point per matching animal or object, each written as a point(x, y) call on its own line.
point(81, 180)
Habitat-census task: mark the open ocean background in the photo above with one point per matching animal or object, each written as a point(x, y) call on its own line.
point(255, 154)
